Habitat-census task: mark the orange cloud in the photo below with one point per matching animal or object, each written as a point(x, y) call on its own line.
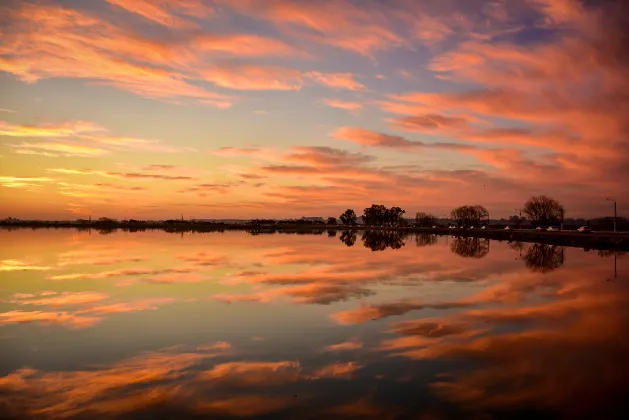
point(341, 24)
point(165, 13)
point(65, 129)
point(80, 138)
point(58, 149)
point(247, 374)
point(336, 371)
point(254, 78)
point(345, 346)
point(106, 390)
point(17, 265)
point(64, 299)
point(55, 318)
point(345, 105)
point(23, 182)
point(123, 272)
point(122, 175)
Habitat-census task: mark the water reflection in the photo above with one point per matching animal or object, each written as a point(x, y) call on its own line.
point(425, 239)
point(544, 258)
point(230, 325)
point(381, 240)
point(348, 237)
point(470, 247)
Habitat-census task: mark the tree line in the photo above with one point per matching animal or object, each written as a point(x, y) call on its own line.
point(540, 210)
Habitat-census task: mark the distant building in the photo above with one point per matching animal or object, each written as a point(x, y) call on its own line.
point(313, 219)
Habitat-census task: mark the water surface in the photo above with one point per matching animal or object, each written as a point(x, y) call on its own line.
point(234, 325)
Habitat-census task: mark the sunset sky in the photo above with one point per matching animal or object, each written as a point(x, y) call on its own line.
point(279, 108)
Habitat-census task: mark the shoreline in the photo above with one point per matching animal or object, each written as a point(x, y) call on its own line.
point(592, 240)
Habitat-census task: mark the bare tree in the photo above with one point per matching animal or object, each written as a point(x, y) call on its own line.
point(543, 210)
point(469, 215)
point(425, 219)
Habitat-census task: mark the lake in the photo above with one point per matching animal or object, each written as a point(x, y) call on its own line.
point(156, 325)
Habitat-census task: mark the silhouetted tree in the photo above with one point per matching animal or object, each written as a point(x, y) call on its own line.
point(470, 247)
point(331, 220)
point(469, 215)
point(543, 210)
point(425, 239)
point(425, 219)
point(374, 215)
point(348, 217)
point(394, 216)
point(543, 258)
point(348, 237)
point(379, 215)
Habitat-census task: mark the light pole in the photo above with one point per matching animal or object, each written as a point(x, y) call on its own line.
point(519, 218)
point(614, 200)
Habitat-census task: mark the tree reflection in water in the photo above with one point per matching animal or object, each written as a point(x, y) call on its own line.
point(332, 233)
point(606, 253)
point(425, 239)
point(544, 258)
point(381, 240)
point(470, 247)
point(348, 237)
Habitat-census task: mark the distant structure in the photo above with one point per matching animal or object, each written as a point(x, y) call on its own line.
point(313, 219)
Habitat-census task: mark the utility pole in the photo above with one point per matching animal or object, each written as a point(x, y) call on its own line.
point(614, 200)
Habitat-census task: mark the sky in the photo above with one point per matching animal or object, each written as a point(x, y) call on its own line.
point(288, 108)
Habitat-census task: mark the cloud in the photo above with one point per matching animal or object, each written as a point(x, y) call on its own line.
point(345, 105)
point(73, 44)
point(203, 258)
point(55, 318)
point(155, 167)
point(203, 190)
point(64, 299)
point(17, 265)
point(244, 45)
point(345, 346)
point(23, 182)
point(174, 279)
point(247, 374)
point(254, 78)
point(75, 138)
point(368, 313)
point(336, 80)
point(361, 30)
point(122, 272)
point(165, 14)
point(65, 129)
point(430, 122)
point(123, 175)
point(105, 390)
point(58, 149)
point(336, 371)
point(123, 307)
point(372, 138)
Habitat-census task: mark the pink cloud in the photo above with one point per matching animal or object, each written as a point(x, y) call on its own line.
point(165, 13)
point(345, 105)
